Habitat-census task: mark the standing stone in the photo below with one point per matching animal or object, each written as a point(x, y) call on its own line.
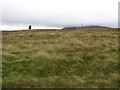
point(29, 26)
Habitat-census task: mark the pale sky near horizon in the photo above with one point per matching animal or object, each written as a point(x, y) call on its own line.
point(58, 13)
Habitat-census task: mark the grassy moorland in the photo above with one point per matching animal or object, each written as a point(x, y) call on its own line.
point(60, 58)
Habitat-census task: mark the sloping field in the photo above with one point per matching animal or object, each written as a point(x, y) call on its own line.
point(60, 58)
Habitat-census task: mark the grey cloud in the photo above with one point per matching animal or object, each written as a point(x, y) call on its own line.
point(25, 12)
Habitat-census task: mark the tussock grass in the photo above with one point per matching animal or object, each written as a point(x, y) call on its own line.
point(60, 58)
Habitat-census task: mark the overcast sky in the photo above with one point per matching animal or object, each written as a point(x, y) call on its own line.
point(58, 13)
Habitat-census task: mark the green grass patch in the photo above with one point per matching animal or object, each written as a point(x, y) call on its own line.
point(59, 58)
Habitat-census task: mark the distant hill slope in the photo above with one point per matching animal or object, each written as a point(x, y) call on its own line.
point(93, 26)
